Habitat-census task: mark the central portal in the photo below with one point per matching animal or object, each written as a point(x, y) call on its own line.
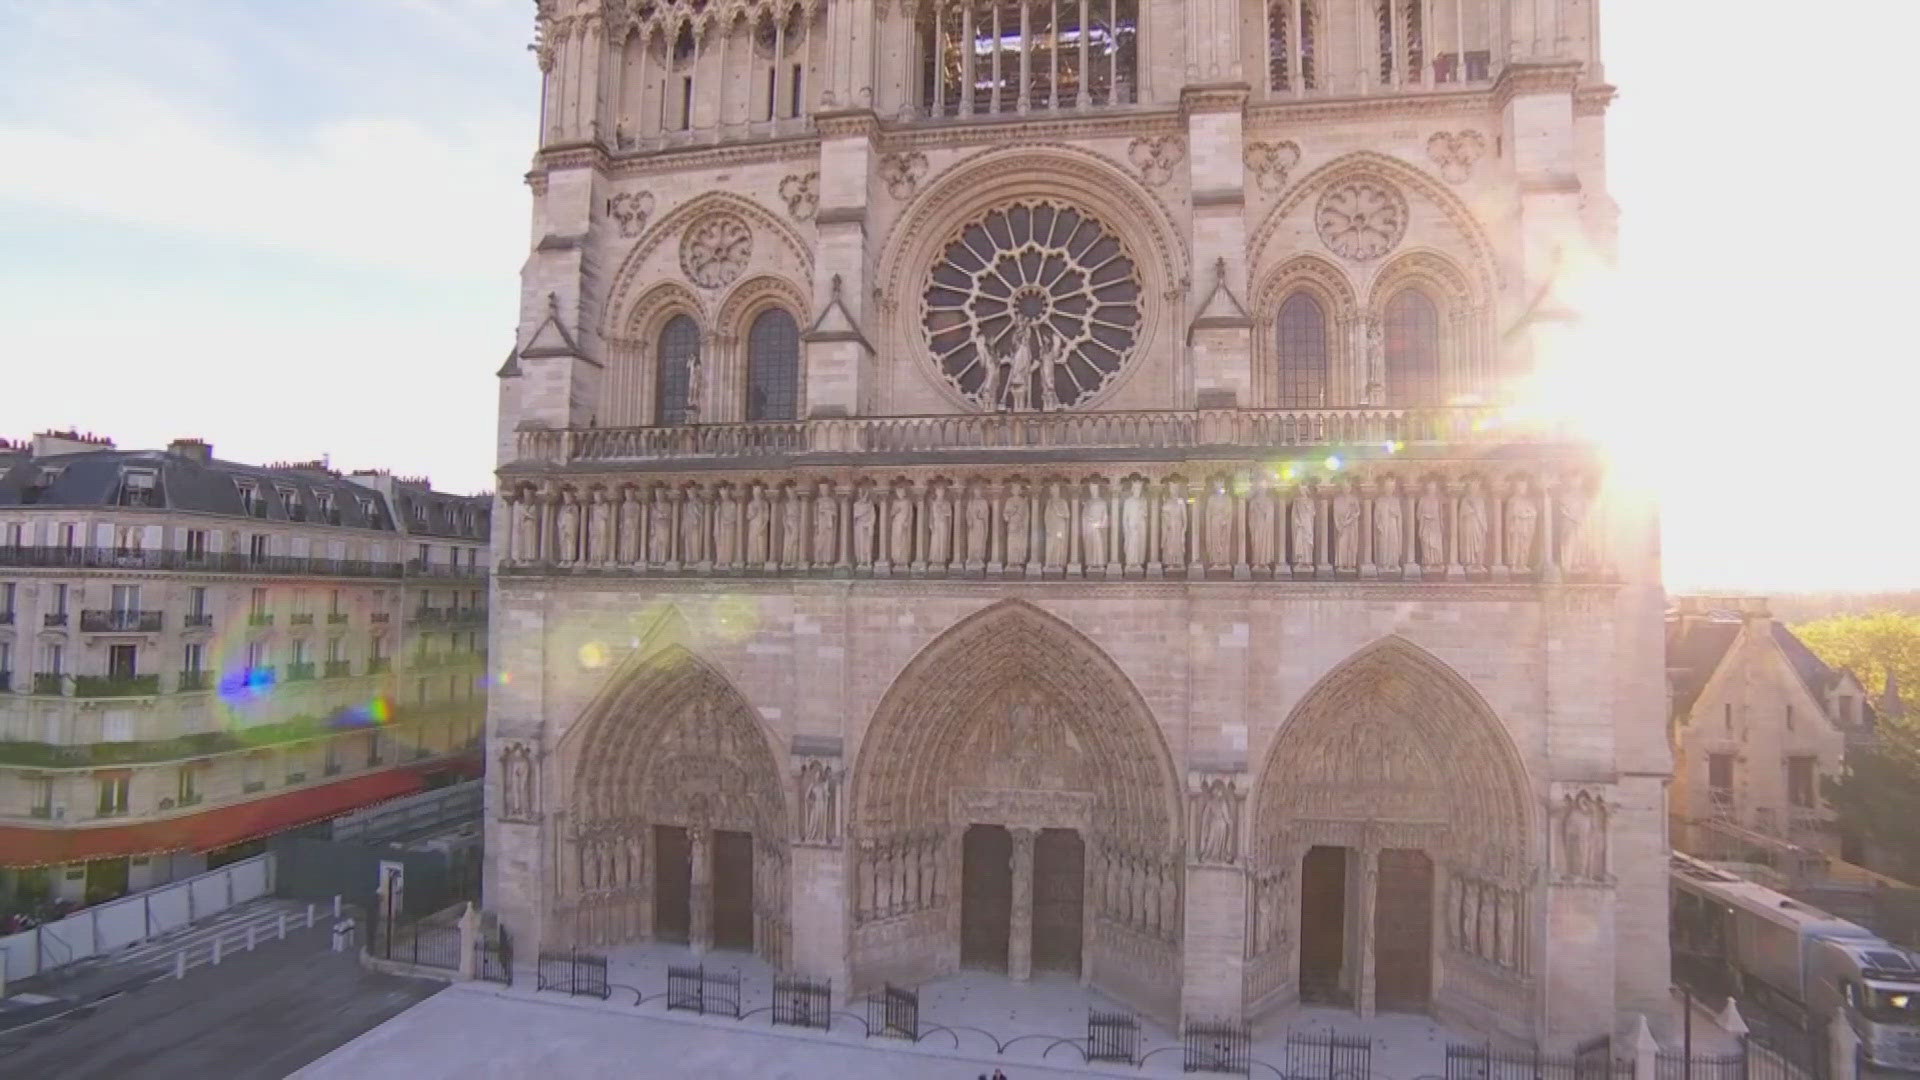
point(733, 890)
point(1403, 932)
point(1323, 927)
point(1059, 893)
point(986, 897)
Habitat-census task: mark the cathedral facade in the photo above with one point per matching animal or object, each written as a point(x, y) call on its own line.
point(1034, 486)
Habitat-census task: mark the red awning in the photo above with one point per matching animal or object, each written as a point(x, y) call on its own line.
point(206, 831)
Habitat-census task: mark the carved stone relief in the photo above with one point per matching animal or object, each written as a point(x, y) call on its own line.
point(630, 210)
point(517, 782)
point(1361, 219)
point(802, 195)
point(1455, 152)
point(715, 249)
point(1156, 157)
point(1581, 820)
point(1216, 822)
point(902, 173)
point(819, 797)
point(1270, 162)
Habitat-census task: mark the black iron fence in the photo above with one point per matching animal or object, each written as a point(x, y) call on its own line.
point(894, 1012)
point(803, 1002)
point(422, 944)
point(1113, 1036)
point(493, 960)
point(1219, 1046)
point(695, 989)
point(1591, 1060)
point(573, 972)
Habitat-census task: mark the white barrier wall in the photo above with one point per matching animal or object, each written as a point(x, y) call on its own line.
point(105, 928)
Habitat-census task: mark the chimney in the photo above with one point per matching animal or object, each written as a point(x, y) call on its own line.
point(192, 449)
point(51, 443)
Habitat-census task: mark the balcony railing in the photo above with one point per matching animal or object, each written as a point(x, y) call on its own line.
point(260, 618)
point(1031, 432)
point(418, 568)
point(6, 618)
point(426, 662)
point(300, 619)
point(107, 558)
point(103, 686)
point(380, 618)
point(201, 621)
point(380, 665)
point(427, 616)
point(48, 685)
point(192, 681)
point(339, 669)
point(6, 681)
point(337, 618)
point(116, 621)
point(299, 672)
point(56, 618)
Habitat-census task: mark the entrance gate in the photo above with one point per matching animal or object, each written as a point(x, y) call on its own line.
point(1403, 932)
point(1059, 891)
point(672, 884)
point(1323, 922)
point(986, 896)
point(732, 890)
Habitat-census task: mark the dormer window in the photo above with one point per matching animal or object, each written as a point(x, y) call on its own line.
point(323, 504)
point(289, 501)
point(250, 501)
point(420, 512)
point(366, 507)
point(136, 488)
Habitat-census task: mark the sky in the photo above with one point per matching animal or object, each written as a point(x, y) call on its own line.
point(295, 229)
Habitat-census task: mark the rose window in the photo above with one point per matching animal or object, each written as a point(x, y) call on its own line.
point(1034, 306)
point(1361, 219)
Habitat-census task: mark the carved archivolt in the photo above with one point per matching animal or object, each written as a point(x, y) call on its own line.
point(715, 250)
point(1361, 219)
point(1393, 749)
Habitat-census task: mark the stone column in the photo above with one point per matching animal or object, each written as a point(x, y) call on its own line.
point(700, 892)
point(1549, 550)
point(1020, 928)
point(1369, 899)
point(1366, 491)
point(1455, 490)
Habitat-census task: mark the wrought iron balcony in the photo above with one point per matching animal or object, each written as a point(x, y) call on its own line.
point(427, 616)
point(192, 681)
point(380, 665)
point(56, 618)
point(6, 681)
point(380, 617)
point(973, 433)
point(260, 618)
point(6, 618)
point(202, 621)
point(108, 558)
point(300, 619)
point(104, 686)
point(116, 621)
point(48, 685)
point(337, 618)
point(339, 669)
point(419, 568)
point(299, 672)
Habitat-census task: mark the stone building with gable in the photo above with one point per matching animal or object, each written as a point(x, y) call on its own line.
point(1030, 486)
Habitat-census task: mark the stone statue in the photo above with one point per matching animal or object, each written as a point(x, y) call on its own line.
point(826, 524)
point(726, 541)
point(979, 509)
point(1473, 528)
point(864, 515)
point(1133, 524)
point(817, 796)
point(939, 528)
point(1346, 530)
point(1093, 529)
point(1220, 527)
point(1507, 922)
point(1523, 518)
point(900, 529)
point(1267, 929)
point(1216, 822)
point(1052, 354)
point(600, 530)
point(660, 529)
point(693, 527)
point(1429, 523)
point(756, 527)
point(1020, 371)
point(1583, 837)
point(1260, 526)
point(569, 530)
point(629, 528)
point(1577, 529)
point(526, 539)
point(516, 787)
point(1301, 519)
point(1018, 516)
point(1058, 526)
point(1387, 529)
point(1173, 526)
point(792, 528)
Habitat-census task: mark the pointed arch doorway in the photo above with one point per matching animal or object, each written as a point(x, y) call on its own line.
point(1392, 802)
point(1015, 808)
point(675, 824)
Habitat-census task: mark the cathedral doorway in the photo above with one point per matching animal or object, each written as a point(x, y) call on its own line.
point(1323, 926)
point(1059, 899)
point(672, 884)
point(986, 897)
point(1403, 932)
point(733, 890)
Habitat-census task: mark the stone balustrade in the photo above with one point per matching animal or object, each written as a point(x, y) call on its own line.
point(960, 433)
point(1389, 518)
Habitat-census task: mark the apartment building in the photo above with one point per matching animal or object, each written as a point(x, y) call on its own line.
point(196, 654)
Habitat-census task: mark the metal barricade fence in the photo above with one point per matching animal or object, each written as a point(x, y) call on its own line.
point(1113, 1036)
point(573, 972)
point(803, 1002)
point(1220, 1046)
point(1329, 1055)
point(894, 1012)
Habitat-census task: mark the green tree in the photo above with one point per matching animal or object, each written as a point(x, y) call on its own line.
point(1877, 799)
point(1872, 646)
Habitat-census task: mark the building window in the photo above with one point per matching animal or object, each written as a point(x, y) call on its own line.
point(56, 659)
point(253, 773)
point(1720, 772)
point(196, 543)
point(249, 499)
point(1727, 715)
point(60, 599)
point(193, 658)
point(42, 791)
point(197, 601)
point(1413, 350)
point(987, 57)
point(126, 598)
point(1800, 781)
point(122, 662)
point(67, 537)
point(679, 352)
point(1289, 25)
point(773, 366)
point(16, 535)
point(128, 540)
point(8, 594)
point(1301, 350)
point(1400, 45)
point(257, 604)
point(258, 546)
point(113, 794)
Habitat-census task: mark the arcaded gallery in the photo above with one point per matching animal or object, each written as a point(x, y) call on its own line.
point(1036, 487)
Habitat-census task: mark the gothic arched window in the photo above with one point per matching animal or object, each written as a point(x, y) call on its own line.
point(1302, 353)
point(1290, 33)
point(673, 378)
point(1413, 350)
point(773, 366)
point(992, 56)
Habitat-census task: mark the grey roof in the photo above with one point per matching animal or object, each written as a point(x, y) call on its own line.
point(1696, 646)
point(458, 517)
point(99, 478)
